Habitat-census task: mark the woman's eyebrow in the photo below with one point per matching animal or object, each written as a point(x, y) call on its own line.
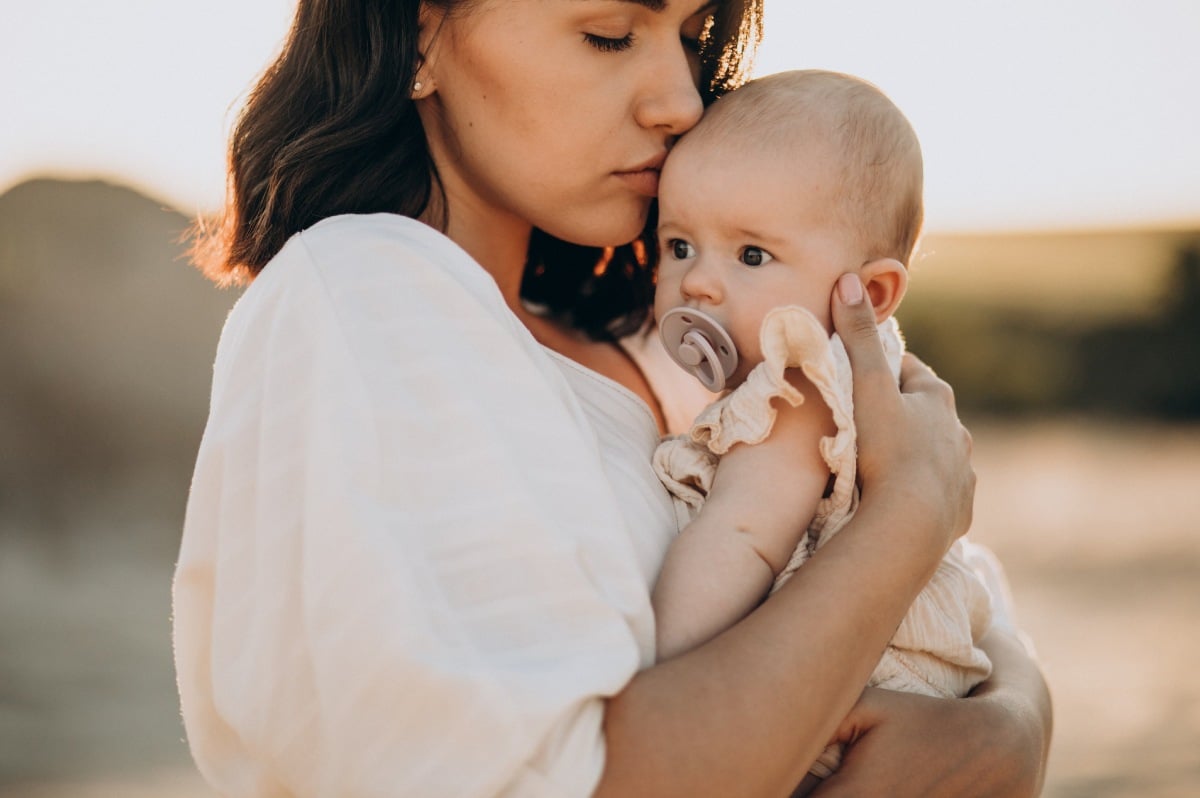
point(659, 5)
point(653, 5)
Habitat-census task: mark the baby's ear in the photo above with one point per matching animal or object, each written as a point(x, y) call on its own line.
point(886, 280)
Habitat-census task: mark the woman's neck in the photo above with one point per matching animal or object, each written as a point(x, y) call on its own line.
point(501, 247)
point(498, 242)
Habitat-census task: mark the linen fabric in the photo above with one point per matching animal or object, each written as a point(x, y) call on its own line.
point(418, 547)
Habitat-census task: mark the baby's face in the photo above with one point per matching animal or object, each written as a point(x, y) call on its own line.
point(743, 232)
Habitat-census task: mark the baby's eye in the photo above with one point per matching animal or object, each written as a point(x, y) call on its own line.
point(680, 249)
point(754, 256)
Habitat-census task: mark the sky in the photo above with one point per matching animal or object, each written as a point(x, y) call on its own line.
point(1033, 114)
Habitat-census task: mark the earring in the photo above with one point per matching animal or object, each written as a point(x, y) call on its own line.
point(417, 86)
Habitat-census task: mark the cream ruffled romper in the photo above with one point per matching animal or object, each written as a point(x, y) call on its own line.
point(933, 651)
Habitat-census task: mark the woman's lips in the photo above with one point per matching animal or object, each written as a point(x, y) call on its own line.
point(643, 177)
point(643, 181)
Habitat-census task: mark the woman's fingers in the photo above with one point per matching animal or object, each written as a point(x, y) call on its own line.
point(916, 376)
point(907, 745)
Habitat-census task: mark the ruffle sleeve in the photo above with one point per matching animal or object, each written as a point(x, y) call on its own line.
point(790, 337)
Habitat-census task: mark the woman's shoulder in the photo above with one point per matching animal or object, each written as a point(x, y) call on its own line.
point(336, 238)
point(355, 269)
point(381, 248)
point(373, 293)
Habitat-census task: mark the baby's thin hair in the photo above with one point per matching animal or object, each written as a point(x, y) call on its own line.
point(878, 156)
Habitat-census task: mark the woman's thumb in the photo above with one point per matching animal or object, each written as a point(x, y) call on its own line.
point(854, 320)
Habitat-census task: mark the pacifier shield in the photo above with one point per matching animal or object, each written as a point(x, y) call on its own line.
point(698, 343)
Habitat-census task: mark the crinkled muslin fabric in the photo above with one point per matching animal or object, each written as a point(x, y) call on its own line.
point(933, 651)
point(419, 546)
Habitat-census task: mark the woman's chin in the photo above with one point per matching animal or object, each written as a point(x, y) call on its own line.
point(618, 228)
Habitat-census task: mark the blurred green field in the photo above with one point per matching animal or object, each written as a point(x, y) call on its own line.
point(1083, 277)
point(1034, 325)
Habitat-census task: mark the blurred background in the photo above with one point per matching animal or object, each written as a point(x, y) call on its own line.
point(1058, 290)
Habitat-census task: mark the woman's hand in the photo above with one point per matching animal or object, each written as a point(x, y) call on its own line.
point(911, 445)
point(991, 745)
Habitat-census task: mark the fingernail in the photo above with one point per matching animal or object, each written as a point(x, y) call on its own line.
point(850, 289)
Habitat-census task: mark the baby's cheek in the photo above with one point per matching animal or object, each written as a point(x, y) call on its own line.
point(662, 301)
point(749, 356)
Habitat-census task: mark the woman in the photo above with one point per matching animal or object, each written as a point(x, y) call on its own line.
point(423, 526)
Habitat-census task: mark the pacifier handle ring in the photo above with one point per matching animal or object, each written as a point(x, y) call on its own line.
point(708, 370)
point(700, 345)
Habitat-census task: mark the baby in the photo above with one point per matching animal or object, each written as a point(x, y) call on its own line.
point(786, 184)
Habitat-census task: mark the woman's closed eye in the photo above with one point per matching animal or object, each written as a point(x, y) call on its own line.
point(609, 44)
point(694, 31)
point(755, 256)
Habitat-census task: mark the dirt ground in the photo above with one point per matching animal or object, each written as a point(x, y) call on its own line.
point(1097, 525)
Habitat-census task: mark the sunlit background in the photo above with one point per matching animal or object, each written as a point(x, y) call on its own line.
point(1033, 114)
point(1058, 289)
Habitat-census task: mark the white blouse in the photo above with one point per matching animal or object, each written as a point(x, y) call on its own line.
point(418, 547)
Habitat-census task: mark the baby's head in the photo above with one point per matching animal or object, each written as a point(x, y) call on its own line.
point(784, 185)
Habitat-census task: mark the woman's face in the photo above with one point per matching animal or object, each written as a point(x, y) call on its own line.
point(559, 113)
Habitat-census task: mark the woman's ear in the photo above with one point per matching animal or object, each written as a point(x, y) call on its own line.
point(886, 280)
point(430, 19)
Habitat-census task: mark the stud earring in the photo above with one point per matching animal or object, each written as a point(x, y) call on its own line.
point(417, 86)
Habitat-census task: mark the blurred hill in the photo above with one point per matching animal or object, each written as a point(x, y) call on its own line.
point(106, 343)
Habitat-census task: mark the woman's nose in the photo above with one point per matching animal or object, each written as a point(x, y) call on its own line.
point(671, 101)
point(699, 284)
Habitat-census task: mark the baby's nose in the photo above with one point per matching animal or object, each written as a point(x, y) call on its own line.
point(699, 284)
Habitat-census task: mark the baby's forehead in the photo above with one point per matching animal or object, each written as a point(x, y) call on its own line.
point(782, 149)
point(801, 112)
point(765, 124)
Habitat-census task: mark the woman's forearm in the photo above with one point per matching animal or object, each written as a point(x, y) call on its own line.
point(747, 712)
point(1024, 713)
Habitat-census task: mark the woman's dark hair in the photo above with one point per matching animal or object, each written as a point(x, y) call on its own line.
point(330, 128)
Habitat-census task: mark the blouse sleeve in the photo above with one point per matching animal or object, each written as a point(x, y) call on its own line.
point(402, 572)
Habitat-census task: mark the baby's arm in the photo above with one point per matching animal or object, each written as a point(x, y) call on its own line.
point(762, 500)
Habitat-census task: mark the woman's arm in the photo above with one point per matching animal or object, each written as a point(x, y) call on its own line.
point(747, 712)
point(993, 744)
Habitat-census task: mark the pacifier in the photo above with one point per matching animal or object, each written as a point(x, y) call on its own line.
point(698, 343)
